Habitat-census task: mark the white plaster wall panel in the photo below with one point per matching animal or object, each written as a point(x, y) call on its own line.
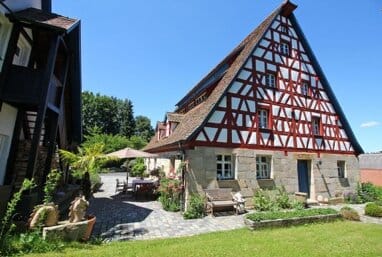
point(286, 126)
point(235, 103)
point(245, 90)
point(277, 95)
point(268, 35)
point(259, 52)
point(265, 43)
point(211, 132)
point(251, 105)
point(301, 47)
point(305, 58)
point(252, 139)
point(343, 147)
point(290, 143)
point(288, 112)
point(248, 64)
point(324, 95)
point(343, 134)
point(284, 72)
point(260, 92)
point(265, 137)
point(279, 126)
point(275, 24)
point(281, 84)
point(294, 75)
point(222, 138)
point(275, 110)
point(286, 38)
point(269, 94)
point(260, 66)
point(244, 135)
point(217, 117)
point(283, 19)
point(248, 121)
point(244, 74)
point(308, 116)
point(271, 67)
point(223, 102)
point(243, 107)
point(296, 65)
point(201, 137)
point(276, 141)
point(294, 44)
point(239, 120)
point(235, 87)
point(288, 21)
point(268, 56)
point(330, 107)
point(292, 32)
point(278, 59)
point(235, 137)
point(8, 114)
point(276, 37)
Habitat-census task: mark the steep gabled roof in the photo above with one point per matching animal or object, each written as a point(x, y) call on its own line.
point(194, 118)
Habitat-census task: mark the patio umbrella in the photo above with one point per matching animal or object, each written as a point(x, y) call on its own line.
point(131, 153)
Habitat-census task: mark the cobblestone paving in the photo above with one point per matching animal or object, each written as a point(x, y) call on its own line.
point(121, 217)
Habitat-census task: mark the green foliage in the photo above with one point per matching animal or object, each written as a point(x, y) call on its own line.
point(259, 216)
point(273, 200)
point(373, 209)
point(110, 114)
point(195, 208)
point(91, 159)
point(349, 213)
point(143, 128)
point(136, 142)
point(170, 191)
point(6, 226)
point(367, 192)
point(51, 183)
point(110, 142)
point(137, 167)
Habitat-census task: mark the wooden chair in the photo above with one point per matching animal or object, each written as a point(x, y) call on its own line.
point(120, 186)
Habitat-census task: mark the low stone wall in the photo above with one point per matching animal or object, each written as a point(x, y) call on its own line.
point(253, 225)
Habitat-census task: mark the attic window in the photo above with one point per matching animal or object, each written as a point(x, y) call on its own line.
point(316, 126)
point(270, 80)
point(284, 48)
point(305, 88)
point(284, 29)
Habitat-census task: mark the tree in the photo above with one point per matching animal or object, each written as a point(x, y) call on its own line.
point(110, 114)
point(143, 128)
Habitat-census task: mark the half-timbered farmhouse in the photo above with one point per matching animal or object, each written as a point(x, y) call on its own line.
point(40, 91)
point(265, 116)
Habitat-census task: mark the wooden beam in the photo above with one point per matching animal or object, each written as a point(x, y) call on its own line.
point(48, 73)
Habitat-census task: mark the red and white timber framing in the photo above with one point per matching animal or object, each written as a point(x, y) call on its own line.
point(291, 108)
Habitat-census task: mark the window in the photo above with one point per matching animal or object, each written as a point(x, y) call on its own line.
point(284, 29)
point(305, 88)
point(262, 118)
point(270, 80)
point(284, 48)
point(341, 169)
point(224, 167)
point(263, 167)
point(316, 126)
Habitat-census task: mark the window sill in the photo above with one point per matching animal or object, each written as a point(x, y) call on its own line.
point(265, 179)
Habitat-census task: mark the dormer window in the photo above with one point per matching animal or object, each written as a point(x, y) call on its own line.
point(284, 48)
point(270, 80)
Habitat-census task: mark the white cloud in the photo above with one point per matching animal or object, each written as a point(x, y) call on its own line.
point(370, 124)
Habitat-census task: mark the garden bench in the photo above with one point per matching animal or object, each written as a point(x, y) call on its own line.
point(219, 198)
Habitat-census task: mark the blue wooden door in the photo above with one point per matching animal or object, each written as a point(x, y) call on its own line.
point(303, 176)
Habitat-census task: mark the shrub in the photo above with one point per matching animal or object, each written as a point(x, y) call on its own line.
point(195, 208)
point(367, 192)
point(262, 201)
point(282, 199)
point(137, 167)
point(259, 216)
point(351, 197)
point(170, 191)
point(373, 209)
point(349, 213)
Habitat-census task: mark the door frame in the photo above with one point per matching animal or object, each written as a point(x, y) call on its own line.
point(304, 175)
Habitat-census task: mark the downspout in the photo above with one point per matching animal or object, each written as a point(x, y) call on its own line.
point(46, 5)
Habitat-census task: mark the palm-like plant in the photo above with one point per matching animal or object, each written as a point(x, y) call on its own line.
point(89, 158)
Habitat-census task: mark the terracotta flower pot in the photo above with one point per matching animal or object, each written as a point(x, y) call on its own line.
point(91, 221)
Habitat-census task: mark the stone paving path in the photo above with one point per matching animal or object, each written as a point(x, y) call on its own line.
point(121, 217)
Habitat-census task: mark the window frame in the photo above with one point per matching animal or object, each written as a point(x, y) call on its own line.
point(259, 115)
point(284, 29)
point(316, 126)
point(223, 162)
point(271, 79)
point(341, 168)
point(263, 174)
point(305, 83)
point(284, 48)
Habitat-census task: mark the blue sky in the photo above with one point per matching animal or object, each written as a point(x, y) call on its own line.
point(153, 52)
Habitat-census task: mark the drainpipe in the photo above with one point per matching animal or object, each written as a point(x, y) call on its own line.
point(46, 5)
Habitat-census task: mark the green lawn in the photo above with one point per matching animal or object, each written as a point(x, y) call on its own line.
point(342, 238)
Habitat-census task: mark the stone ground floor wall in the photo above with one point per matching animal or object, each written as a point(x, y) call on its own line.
point(322, 170)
